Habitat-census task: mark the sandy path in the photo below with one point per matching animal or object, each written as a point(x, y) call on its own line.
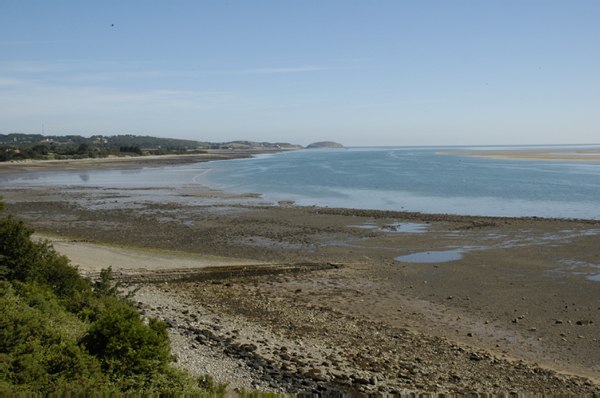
point(93, 257)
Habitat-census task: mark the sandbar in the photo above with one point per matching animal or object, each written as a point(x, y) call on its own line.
point(559, 155)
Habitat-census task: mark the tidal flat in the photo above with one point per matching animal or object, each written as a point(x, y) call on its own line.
point(518, 310)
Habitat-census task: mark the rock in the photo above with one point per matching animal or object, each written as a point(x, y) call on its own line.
point(248, 347)
point(559, 321)
point(583, 322)
point(475, 357)
point(360, 380)
point(201, 339)
point(171, 323)
point(216, 339)
point(470, 334)
point(312, 372)
point(256, 365)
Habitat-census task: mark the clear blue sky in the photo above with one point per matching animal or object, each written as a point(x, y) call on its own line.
point(361, 73)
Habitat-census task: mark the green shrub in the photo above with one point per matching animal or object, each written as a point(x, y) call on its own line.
point(135, 356)
point(26, 261)
point(37, 356)
point(19, 256)
point(59, 333)
point(207, 384)
point(105, 287)
point(125, 345)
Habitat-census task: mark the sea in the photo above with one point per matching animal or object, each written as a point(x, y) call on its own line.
point(415, 179)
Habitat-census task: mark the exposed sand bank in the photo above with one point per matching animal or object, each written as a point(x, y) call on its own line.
point(559, 155)
point(93, 257)
point(516, 292)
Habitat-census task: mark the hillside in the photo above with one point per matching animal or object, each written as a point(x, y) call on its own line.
point(144, 142)
point(40, 147)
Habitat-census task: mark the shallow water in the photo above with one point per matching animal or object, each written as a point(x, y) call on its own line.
point(399, 178)
point(418, 179)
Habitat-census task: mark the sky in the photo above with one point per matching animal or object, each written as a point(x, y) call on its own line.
point(357, 72)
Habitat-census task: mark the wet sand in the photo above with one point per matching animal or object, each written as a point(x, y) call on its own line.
point(515, 288)
point(559, 155)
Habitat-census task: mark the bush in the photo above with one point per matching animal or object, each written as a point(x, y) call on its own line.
point(26, 261)
point(136, 356)
point(125, 345)
point(37, 356)
point(59, 333)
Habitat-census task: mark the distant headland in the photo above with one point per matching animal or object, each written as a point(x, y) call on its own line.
point(324, 144)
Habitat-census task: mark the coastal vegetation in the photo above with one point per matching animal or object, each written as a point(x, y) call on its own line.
point(14, 147)
point(62, 333)
point(324, 144)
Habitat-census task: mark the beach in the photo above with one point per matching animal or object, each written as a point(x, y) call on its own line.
point(485, 304)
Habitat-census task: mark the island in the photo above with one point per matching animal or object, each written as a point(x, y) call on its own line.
point(324, 144)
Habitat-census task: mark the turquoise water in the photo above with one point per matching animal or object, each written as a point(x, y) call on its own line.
point(409, 179)
point(418, 179)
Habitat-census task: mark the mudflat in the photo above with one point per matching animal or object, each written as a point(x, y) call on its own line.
point(413, 302)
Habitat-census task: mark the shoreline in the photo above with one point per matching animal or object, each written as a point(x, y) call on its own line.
point(22, 167)
point(572, 155)
point(502, 299)
point(28, 166)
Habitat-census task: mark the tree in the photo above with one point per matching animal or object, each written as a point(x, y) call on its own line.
point(2, 204)
point(83, 148)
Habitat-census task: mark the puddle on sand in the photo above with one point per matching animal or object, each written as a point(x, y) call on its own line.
point(433, 256)
point(589, 270)
point(409, 228)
